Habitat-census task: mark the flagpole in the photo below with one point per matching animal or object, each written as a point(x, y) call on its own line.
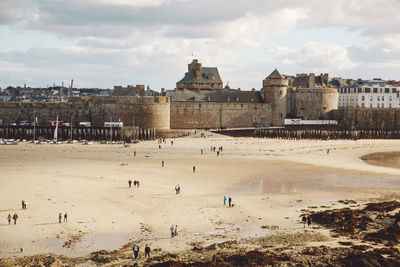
point(34, 128)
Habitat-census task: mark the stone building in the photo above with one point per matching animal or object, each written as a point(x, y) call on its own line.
point(312, 99)
point(275, 93)
point(199, 78)
point(370, 94)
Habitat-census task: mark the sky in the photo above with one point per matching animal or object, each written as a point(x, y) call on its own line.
point(102, 43)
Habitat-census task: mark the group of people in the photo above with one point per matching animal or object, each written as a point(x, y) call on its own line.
point(174, 230)
point(136, 183)
point(213, 148)
point(306, 220)
point(136, 249)
point(230, 204)
point(14, 217)
point(60, 217)
point(177, 189)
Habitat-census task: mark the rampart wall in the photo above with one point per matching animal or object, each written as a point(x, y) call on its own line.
point(198, 115)
point(369, 118)
point(145, 112)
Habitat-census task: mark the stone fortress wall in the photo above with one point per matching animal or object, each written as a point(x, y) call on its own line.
point(200, 115)
point(368, 118)
point(145, 112)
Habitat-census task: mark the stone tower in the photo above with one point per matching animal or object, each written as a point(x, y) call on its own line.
point(275, 90)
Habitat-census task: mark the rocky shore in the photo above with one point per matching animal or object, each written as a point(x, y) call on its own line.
point(367, 236)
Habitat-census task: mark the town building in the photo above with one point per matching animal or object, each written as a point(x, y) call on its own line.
point(374, 93)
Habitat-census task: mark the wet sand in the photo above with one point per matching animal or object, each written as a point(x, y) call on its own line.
point(270, 181)
point(384, 159)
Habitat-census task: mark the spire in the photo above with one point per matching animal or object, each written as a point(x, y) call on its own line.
point(275, 75)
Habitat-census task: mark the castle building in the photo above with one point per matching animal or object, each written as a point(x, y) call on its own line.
point(369, 94)
point(275, 93)
point(199, 78)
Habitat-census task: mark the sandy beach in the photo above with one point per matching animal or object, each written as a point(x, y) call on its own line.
point(270, 181)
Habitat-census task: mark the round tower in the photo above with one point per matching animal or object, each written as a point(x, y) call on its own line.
point(275, 90)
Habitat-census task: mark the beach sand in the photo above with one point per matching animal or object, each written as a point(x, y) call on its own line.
point(270, 181)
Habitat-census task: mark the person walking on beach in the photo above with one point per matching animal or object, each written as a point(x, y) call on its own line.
point(134, 153)
point(214, 259)
point(172, 231)
point(134, 183)
point(130, 183)
point(147, 251)
point(162, 164)
point(59, 217)
point(217, 153)
point(304, 220)
point(194, 169)
point(201, 151)
point(224, 200)
point(9, 218)
point(176, 230)
point(230, 201)
point(136, 251)
point(23, 204)
point(65, 217)
point(308, 220)
point(15, 217)
point(137, 183)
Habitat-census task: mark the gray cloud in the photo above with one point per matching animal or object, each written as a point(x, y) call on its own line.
point(130, 42)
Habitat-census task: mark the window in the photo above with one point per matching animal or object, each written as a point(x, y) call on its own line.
point(367, 90)
point(375, 90)
point(370, 105)
point(383, 98)
point(383, 105)
point(378, 105)
point(363, 98)
point(362, 105)
point(390, 98)
point(380, 90)
point(386, 90)
point(359, 90)
point(379, 98)
point(371, 98)
point(393, 90)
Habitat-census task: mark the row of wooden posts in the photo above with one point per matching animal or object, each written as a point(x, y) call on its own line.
point(327, 134)
point(78, 133)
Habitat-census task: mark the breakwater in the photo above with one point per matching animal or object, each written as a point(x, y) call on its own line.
point(323, 134)
point(127, 134)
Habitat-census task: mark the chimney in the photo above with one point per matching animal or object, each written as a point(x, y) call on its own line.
point(239, 89)
point(141, 90)
point(311, 80)
point(163, 91)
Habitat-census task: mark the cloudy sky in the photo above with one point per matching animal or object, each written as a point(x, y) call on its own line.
point(102, 43)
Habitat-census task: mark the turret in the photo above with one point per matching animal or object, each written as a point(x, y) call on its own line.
point(275, 90)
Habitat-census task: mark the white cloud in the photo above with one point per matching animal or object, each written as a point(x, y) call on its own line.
point(133, 39)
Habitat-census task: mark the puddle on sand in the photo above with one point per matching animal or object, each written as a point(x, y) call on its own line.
point(383, 159)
